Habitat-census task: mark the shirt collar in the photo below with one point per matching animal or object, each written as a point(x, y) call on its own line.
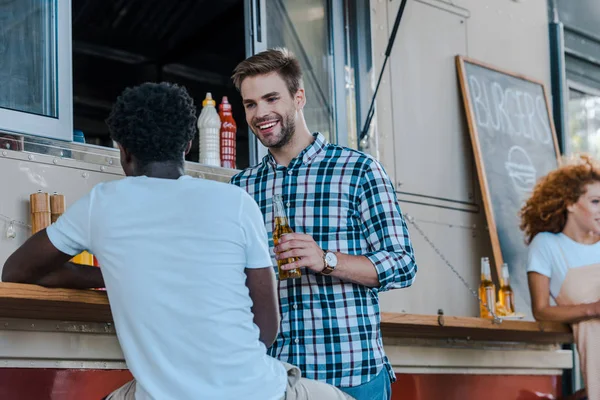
point(307, 155)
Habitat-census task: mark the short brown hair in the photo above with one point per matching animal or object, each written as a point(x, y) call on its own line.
point(279, 60)
point(546, 209)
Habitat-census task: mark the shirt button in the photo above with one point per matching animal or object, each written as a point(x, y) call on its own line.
point(287, 205)
point(294, 306)
point(296, 341)
point(289, 172)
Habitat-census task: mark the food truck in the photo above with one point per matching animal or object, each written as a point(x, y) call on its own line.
point(64, 62)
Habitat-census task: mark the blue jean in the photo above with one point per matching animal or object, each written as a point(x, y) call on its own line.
point(378, 388)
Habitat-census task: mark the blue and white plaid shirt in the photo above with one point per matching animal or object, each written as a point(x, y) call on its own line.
point(344, 199)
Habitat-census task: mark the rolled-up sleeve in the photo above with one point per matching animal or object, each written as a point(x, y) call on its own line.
point(390, 248)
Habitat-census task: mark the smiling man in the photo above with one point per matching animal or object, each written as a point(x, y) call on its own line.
point(349, 237)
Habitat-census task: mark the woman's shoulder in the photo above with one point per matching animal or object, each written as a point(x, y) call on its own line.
point(545, 240)
point(543, 254)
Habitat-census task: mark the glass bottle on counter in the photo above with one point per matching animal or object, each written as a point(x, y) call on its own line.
point(281, 226)
point(487, 290)
point(505, 294)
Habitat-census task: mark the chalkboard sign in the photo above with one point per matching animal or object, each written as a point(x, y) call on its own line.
point(515, 144)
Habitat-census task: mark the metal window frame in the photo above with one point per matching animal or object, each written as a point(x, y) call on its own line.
point(361, 53)
point(256, 41)
point(558, 80)
point(256, 25)
point(581, 88)
point(61, 127)
point(337, 48)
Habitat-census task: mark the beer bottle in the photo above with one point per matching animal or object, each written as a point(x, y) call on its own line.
point(280, 228)
point(505, 294)
point(487, 290)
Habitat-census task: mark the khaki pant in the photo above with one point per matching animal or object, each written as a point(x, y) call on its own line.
point(298, 388)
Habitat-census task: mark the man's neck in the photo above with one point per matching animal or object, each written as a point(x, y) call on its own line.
point(162, 170)
point(301, 139)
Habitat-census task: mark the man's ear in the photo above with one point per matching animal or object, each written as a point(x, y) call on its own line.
point(300, 99)
point(125, 154)
point(188, 148)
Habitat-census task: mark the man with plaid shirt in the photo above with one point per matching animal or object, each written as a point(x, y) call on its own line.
point(350, 237)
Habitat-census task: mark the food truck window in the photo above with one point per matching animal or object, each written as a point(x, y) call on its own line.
point(118, 44)
point(196, 44)
point(65, 61)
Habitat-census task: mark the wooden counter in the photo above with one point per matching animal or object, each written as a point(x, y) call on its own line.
point(469, 328)
point(36, 302)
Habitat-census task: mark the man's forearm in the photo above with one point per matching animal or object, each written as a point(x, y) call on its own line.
point(356, 269)
point(39, 262)
point(71, 276)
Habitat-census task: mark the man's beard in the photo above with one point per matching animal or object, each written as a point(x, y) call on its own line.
point(288, 127)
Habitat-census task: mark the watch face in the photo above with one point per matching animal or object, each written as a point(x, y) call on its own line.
point(331, 259)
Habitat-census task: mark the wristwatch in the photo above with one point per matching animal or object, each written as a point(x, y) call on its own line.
point(331, 262)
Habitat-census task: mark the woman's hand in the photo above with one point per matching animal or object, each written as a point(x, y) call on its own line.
point(594, 310)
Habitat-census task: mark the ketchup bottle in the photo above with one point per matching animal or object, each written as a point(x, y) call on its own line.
point(227, 133)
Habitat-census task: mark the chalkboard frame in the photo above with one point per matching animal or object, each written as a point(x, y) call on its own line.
point(481, 172)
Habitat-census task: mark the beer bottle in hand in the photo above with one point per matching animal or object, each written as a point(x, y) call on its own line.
point(280, 228)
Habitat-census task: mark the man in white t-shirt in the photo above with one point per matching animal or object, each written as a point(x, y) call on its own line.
point(185, 263)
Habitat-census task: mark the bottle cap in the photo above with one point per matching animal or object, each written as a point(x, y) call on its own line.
point(208, 101)
point(485, 265)
point(225, 105)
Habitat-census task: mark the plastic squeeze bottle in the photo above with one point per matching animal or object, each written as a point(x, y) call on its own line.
point(209, 125)
point(228, 131)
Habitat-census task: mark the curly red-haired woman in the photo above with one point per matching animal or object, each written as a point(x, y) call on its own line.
point(561, 221)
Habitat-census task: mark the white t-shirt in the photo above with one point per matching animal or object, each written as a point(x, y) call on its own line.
point(173, 254)
point(545, 257)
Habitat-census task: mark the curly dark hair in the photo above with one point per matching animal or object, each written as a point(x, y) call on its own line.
point(154, 121)
point(546, 209)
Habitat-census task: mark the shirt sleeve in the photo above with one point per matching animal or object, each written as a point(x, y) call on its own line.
point(71, 232)
point(390, 248)
point(235, 180)
point(539, 257)
point(255, 234)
